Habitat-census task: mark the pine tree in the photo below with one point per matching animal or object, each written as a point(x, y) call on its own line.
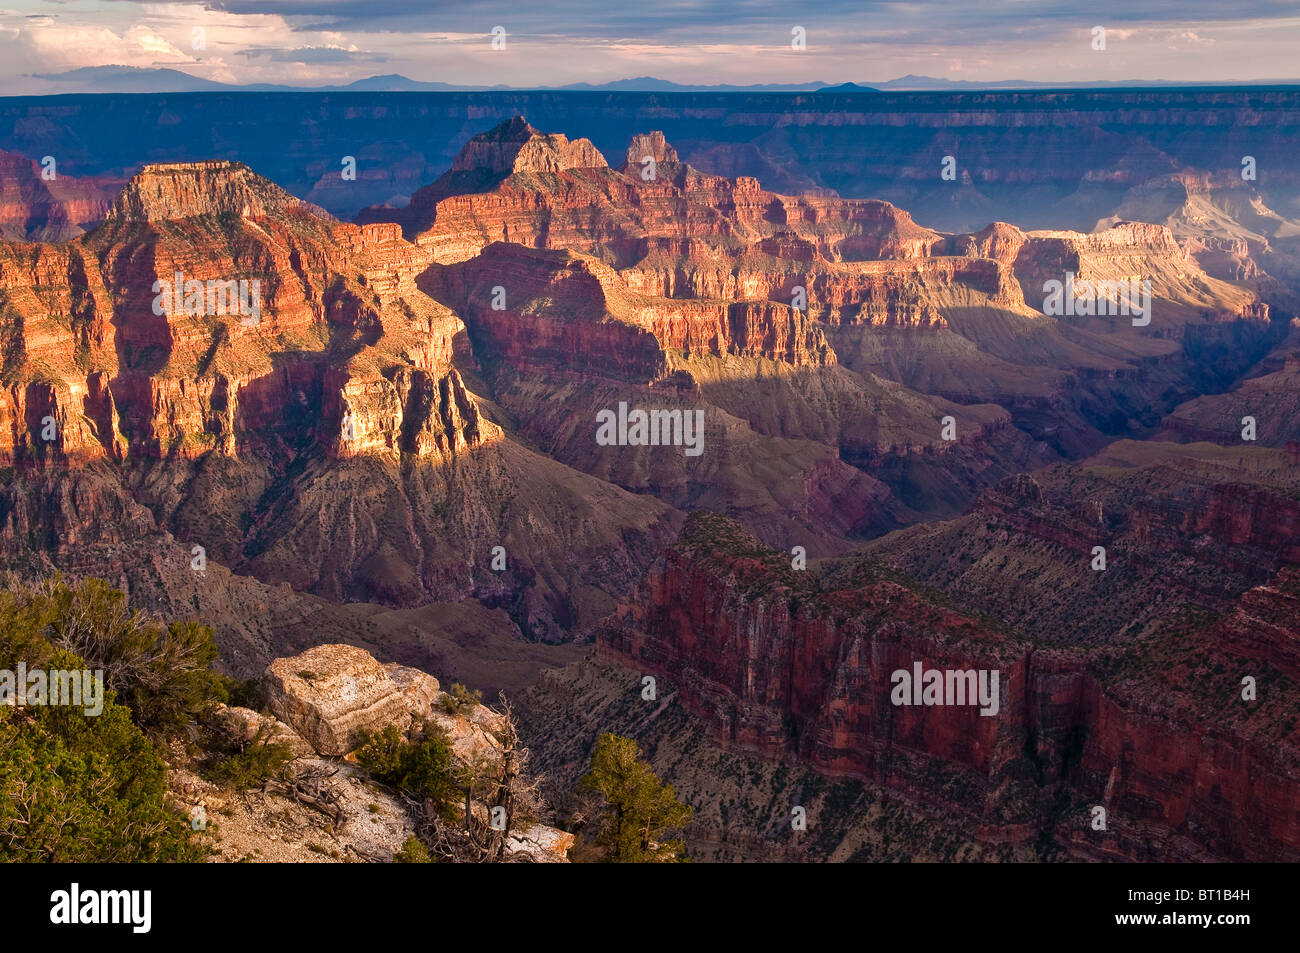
point(640, 809)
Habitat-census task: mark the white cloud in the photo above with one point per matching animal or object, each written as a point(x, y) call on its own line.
point(150, 42)
point(58, 47)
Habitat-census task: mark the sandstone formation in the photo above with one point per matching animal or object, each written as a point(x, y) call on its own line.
point(180, 190)
point(817, 281)
point(518, 185)
point(515, 146)
point(40, 203)
point(778, 662)
point(419, 689)
point(635, 279)
point(330, 697)
point(238, 727)
point(332, 694)
point(347, 374)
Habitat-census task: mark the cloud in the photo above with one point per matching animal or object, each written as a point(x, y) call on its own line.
point(316, 54)
point(59, 47)
point(554, 42)
point(1190, 38)
point(943, 21)
point(145, 39)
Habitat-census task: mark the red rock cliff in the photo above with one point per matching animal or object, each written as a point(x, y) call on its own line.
point(788, 667)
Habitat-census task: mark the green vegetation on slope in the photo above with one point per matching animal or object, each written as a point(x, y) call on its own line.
point(76, 786)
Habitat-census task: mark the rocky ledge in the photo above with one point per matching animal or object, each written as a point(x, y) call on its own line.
point(320, 705)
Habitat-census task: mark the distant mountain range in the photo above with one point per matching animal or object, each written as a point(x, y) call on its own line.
point(136, 79)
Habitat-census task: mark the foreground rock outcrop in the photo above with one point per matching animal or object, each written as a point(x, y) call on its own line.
point(333, 694)
point(330, 698)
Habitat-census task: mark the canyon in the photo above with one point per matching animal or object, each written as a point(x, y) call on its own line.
point(904, 457)
point(797, 665)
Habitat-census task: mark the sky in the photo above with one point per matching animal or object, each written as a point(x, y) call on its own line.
point(317, 42)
